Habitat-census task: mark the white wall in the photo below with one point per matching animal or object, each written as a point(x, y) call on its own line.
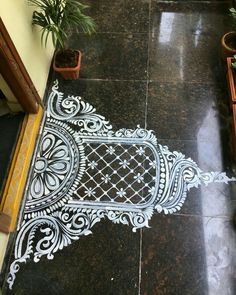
point(17, 17)
point(10, 97)
point(3, 245)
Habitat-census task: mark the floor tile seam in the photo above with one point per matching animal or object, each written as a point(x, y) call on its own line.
point(140, 261)
point(148, 62)
point(186, 140)
point(113, 80)
point(116, 33)
point(183, 82)
point(215, 216)
point(145, 124)
point(148, 81)
point(183, 140)
point(193, 2)
point(150, 33)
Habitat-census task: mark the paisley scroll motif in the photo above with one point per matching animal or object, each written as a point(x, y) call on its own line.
point(72, 109)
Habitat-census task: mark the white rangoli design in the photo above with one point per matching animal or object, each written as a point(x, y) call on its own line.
point(84, 171)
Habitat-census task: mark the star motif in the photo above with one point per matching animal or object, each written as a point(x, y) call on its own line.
point(121, 193)
point(138, 177)
point(110, 150)
point(140, 151)
point(106, 178)
point(93, 164)
point(90, 192)
point(124, 164)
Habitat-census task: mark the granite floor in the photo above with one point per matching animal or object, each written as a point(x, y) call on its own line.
point(157, 65)
point(10, 125)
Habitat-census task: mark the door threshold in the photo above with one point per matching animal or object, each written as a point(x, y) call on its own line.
point(17, 176)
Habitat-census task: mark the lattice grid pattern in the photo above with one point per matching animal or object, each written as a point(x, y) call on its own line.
point(124, 173)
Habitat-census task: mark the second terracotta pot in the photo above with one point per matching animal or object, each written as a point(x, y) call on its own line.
point(228, 45)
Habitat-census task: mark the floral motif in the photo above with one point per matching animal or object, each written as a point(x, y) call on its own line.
point(125, 163)
point(121, 193)
point(106, 178)
point(90, 192)
point(110, 150)
point(51, 167)
point(138, 177)
point(140, 151)
point(93, 164)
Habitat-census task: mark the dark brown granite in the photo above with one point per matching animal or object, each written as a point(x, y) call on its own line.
point(185, 45)
point(185, 111)
point(112, 56)
point(106, 262)
point(202, 6)
point(188, 255)
point(123, 103)
point(121, 16)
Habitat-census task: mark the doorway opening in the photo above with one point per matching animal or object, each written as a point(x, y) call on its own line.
point(18, 100)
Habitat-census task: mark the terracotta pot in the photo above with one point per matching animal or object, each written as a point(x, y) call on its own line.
point(69, 73)
point(232, 96)
point(231, 81)
point(228, 45)
point(234, 130)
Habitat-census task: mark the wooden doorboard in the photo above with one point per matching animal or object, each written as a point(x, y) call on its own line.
point(15, 73)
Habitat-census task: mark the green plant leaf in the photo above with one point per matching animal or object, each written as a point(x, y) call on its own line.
point(57, 17)
point(234, 65)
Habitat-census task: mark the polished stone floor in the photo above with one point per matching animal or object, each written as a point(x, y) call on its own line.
point(10, 125)
point(154, 64)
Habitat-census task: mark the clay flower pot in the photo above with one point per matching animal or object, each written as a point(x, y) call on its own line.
point(228, 45)
point(234, 129)
point(231, 80)
point(68, 73)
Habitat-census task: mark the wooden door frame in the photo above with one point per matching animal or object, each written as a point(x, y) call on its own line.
point(15, 74)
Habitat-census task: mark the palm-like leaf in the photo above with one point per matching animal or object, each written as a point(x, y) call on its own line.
point(57, 17)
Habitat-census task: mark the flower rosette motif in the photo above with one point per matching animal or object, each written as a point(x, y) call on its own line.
point(51, 167)
point(59, 163)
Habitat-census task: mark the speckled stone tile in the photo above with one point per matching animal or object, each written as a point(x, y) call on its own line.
point(10, 126)
point(185, 44)
point(106, 262)
point(204, 5)
point(112, 56)
point(188, 255)
point(185, 111)
point(120, 16)
point(123, 103)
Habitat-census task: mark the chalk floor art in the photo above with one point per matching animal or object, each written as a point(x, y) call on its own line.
point(84, 171)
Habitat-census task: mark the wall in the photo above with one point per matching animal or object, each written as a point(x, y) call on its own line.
point(3, 242)
point(17, 17)
point(10, 97)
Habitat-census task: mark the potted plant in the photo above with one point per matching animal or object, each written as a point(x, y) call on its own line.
point(228, 41)
point(58, 18)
